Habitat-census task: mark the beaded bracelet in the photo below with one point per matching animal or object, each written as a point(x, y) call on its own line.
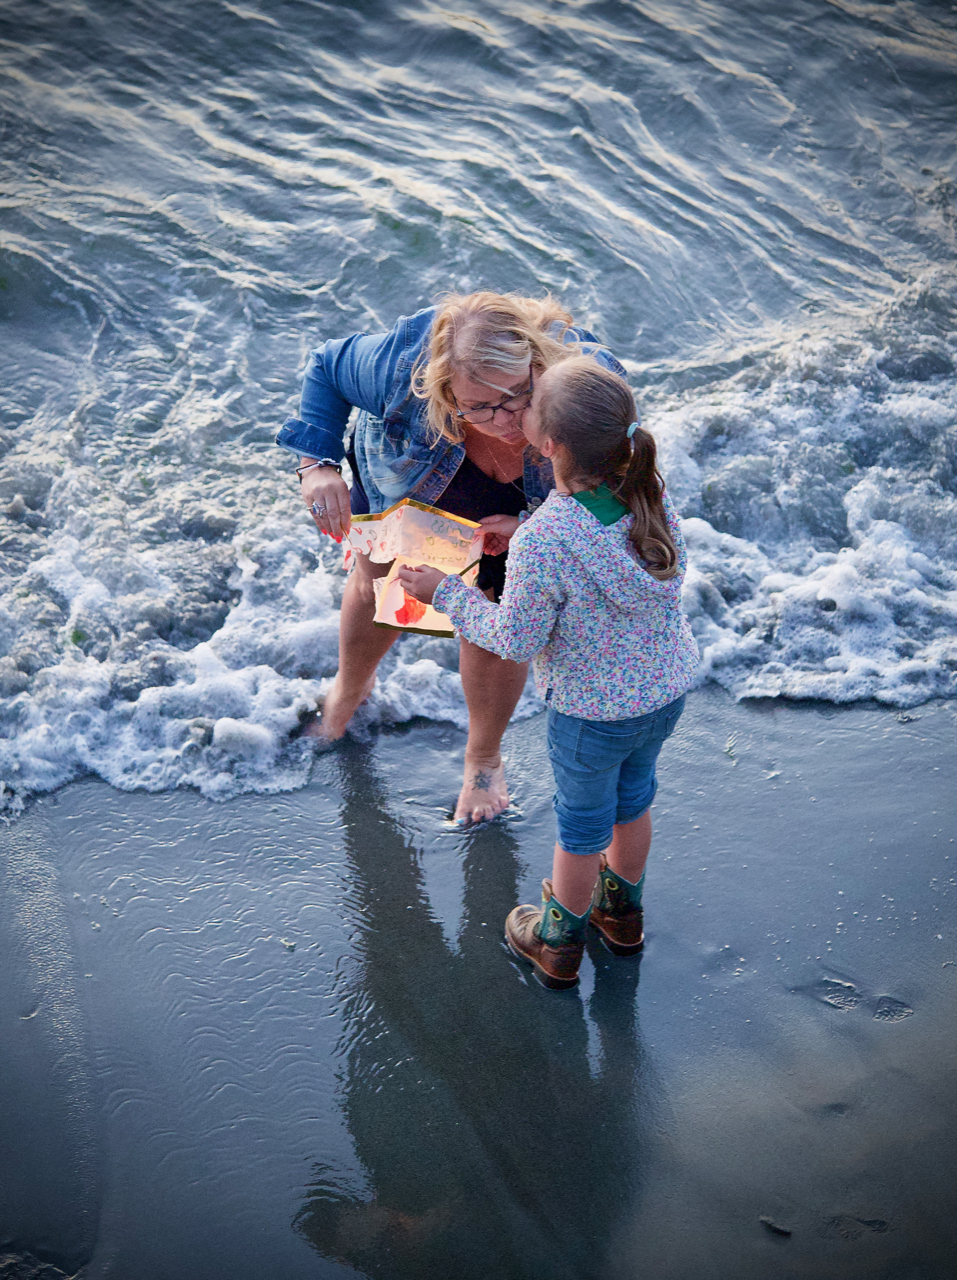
point(323, 462)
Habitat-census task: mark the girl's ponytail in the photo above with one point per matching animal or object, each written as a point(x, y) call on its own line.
point(591, 412)
point(641, 488)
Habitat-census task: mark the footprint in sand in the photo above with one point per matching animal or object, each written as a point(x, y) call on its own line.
point(845, 995)
point(890, 1010)
point(844, 1227)
point(840, 995)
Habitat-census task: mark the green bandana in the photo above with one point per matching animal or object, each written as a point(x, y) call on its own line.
point(602, 503)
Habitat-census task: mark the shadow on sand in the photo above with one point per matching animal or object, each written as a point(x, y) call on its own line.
point(492, 1141)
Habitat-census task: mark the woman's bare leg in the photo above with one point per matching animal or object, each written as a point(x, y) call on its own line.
point(362, 646)
point(492, 688)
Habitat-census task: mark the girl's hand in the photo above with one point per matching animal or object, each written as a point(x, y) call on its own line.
point(326, 495)
point(498, 531)
point(421, 582)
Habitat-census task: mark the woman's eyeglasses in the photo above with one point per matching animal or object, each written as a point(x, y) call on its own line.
point(511, 404)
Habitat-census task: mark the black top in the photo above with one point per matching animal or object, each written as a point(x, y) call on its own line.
point(470, 494)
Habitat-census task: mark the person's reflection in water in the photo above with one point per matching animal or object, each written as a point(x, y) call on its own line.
point(493, 1147)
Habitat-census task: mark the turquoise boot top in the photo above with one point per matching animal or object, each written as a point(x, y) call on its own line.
point(558, 926)
point(615, 895)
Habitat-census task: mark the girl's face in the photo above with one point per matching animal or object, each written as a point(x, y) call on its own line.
point(535, 435)
point(531, 423)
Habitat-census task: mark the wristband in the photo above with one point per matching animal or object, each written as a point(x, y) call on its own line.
point(322, 462)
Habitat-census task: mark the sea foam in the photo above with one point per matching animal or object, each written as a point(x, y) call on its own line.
point(818, 489)
point(171, 615)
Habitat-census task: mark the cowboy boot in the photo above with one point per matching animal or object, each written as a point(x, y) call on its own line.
point(550, 938)
point(616, 911)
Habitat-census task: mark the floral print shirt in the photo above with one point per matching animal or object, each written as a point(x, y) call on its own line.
point(609, 641)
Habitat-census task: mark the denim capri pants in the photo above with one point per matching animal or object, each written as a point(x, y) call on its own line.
point(604, 772)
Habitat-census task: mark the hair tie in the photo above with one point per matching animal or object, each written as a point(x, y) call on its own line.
point(631, 430)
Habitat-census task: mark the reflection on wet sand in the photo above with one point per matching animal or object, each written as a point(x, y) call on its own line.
point(492, 1145)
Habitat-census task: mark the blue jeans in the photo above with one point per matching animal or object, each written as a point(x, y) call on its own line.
point(604, 772)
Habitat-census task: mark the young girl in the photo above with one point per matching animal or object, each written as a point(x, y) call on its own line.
point(593, 592)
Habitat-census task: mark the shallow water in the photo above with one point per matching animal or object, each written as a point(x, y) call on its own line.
point(754, 206)
point(282, 1036)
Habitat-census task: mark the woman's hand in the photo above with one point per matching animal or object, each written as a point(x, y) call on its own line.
point(421, 582)
point(498, 531)
point(326, 495)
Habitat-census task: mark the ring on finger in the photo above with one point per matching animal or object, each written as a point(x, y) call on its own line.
point(317, 510)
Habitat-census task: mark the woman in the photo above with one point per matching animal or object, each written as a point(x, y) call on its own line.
point(441, 399)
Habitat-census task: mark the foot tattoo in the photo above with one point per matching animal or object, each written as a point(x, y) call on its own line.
point(484, 793)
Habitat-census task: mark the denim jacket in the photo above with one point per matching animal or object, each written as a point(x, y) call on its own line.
point(373, 372)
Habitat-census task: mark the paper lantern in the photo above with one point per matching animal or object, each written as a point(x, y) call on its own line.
point(412, 533)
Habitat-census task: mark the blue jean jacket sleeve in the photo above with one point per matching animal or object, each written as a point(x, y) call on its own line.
point(358, 370)
point(373, 373)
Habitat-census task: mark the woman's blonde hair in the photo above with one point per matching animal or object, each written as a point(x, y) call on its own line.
point(475, 332)
point(588, 410)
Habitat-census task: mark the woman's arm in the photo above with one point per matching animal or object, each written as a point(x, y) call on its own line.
point(327, 496)
point(342, 373)
point(358, 370)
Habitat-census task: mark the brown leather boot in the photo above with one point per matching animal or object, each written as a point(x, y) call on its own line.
point(616, 911)
point(549, 938)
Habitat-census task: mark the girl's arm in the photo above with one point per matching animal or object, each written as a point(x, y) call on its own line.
point(522, 623)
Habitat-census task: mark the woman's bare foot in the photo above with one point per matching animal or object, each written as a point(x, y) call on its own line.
point(338, 709)
point(484, 790)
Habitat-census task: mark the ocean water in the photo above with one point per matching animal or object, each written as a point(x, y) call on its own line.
point(752, 204)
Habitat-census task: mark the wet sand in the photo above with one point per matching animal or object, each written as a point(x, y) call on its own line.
point(281, 1037)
